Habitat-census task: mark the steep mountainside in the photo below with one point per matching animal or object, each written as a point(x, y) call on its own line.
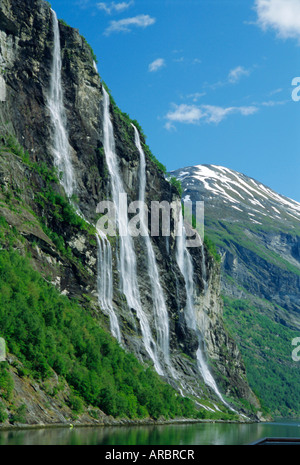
point(65, 146)
point(257, 232)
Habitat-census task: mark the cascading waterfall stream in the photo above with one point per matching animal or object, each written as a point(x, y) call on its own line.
point(105, 282)
point(95, 66)
point(185, 264)
point(127, 257)
point(61, 147)
point(159, 305)
point(63, 162)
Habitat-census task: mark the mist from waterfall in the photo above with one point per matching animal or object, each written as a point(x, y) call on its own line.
point(159, 305)
point(127, 258)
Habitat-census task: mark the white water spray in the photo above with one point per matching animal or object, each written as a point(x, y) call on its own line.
point(105, 283)
point(61, 147)
point(127, 257)
point(159, 305)
point(185, 264)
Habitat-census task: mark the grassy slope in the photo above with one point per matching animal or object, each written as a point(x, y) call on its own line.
point(266, 347)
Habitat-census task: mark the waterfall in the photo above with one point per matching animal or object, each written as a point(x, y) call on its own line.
point(159, 305)
point(185, 264)
point(105, 282)
point(127, 258)
point(95, 66)
point(2, 89)
point(61, 147)
point(63, 162)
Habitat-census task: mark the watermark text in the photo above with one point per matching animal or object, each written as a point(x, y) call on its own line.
point(162, 219)
point(296, 351)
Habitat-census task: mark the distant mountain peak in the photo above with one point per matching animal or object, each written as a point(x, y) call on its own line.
point(218, 185)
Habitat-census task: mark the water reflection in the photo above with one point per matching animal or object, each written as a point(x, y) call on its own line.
point(188, 434)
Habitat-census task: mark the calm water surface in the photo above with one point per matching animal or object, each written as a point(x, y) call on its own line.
point(177, 435)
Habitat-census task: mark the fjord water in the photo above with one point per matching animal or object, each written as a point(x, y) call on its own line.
point(175, 434)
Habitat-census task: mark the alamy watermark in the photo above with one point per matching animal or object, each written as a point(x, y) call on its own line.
point(165, 218)
point(296, 98)
point(296, 90)
point(296, 351)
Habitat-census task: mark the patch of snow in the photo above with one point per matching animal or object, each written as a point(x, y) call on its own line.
point(275, 209)
point(237, 208)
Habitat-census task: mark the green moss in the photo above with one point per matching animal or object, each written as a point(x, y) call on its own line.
point(63, 22)
point(212, 249)
point(3, 414)
point(6, 381)
point(19, 415)
point(93, 55)
point(177, 184)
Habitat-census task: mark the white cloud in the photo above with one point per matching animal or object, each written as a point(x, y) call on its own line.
point(126, 25)
point(235, 74)
point(215, 114)
point(183, 113)
point(156, 65)
point(281, 15)
point(113, 7)
point(196, 96)
point(192, 114)
point(276, 91)
point(233, 77)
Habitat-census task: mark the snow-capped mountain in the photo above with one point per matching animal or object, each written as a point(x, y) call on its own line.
point(257, 232)
point(217, 186)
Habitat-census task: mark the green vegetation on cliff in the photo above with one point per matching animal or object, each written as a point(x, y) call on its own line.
point(46, 331)
point(127, 128)
point(266, 348)
point(49, 332)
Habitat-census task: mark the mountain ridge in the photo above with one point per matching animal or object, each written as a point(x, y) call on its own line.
point(42, 223)
point(257, 234)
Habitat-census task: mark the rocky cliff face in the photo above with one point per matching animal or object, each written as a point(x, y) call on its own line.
point(257, 234)
point(26, 51)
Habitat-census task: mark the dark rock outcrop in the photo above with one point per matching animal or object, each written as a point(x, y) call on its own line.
point(26, 44)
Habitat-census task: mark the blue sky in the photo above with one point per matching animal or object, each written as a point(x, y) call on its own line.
point(210, 81)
